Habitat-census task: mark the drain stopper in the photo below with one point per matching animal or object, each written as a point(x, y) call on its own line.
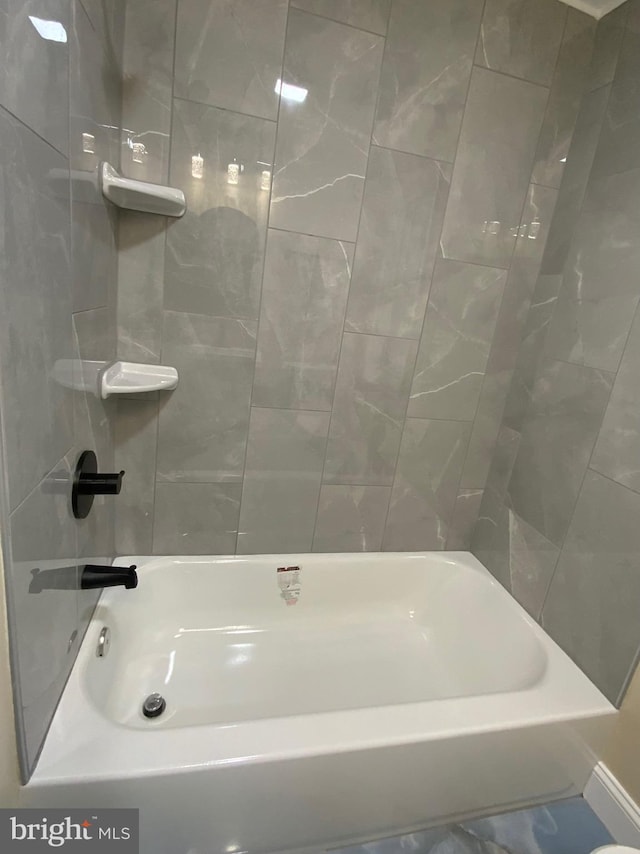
point(153, 706)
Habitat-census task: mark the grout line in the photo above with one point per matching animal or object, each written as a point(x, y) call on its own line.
point(309, 234)
point(223, 109)
point(292, 6)
point(412, 154)
point(265, 249)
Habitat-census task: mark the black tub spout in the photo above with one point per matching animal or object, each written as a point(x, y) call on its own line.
point(108, 576)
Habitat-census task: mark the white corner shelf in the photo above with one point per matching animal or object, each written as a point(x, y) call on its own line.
point(140, 195)
point(133, 378)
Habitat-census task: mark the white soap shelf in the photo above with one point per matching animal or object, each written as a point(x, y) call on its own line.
point(133, 378)
point(140, 195)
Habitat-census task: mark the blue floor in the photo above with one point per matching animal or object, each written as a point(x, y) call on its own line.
point(565, 827)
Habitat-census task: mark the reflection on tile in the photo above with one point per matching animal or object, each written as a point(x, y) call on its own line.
point(323, 140)
point(425, 76)
point(532, 560)
point(203, 423)
point(459, 325)
point(282, 480)
point(559, 433)
point(135, 452)
point(564, 98)
point(372, 390)
point(196, 518)
point(567, 826)
point(230, 54)
point(369, 15)
point(595, 309)
point(398, 237)
point(33, 69)
point(94, 104)
point(493, 165)
point(609, 37)
point(35, 308)
point(592, 606)
point(465, 516)
point(617, 451)
point(147, 88)
point(140, 285)
point(351, 518)
point(521, 38)
point(306, 279)
point(215, 251)
point(426, 484)
point(574, 179)
point(42, 622)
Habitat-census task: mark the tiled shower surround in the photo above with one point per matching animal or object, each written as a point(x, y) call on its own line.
point(559, 522)
point(345, 314)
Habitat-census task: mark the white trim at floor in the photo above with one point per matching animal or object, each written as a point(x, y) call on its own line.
point(614, 806)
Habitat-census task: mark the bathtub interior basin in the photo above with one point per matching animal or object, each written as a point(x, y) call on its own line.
point(224, 642)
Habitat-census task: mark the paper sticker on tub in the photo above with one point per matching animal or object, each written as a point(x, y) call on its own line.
point(289, 583)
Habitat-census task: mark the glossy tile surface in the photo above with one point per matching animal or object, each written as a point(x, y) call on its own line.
point(591, 608)
point(463, 521)
point(323, 140)
point(229, 53)
point(351, 518)
point(372, 390)
point(202, 430)
point(493, 166)
point(521, 38)
point(454, 348)
point(34, 70)
point(398, 238)
point(282, 480)
point(306, 278)
point(370, 15)
point(215, 252)
point(196, 518)
point(425, 76)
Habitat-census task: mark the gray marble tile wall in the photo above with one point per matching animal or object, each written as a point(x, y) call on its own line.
point(370, 185)
point(60, 100)
point(558, 523)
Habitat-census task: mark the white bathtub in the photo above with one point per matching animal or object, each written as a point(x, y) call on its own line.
point(395, 691)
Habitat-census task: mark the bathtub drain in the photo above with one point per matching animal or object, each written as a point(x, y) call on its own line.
point(154, 706)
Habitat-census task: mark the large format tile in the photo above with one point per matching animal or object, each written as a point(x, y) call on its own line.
point(282, 480)
point(402, 213)
point(599, 292)
point(532, 561)
point(108, 20)
point(607, 46)
point(196, 518)
point(215, 251)
point(351, 518)
point(42, 622)
point(136, 437)
point(617, 451)
point(372, 390)
point(147, 89)
point(492, 169)
point(229, 53)
point(203, 423)
point(35, 307)
point(591, 609)
point(567, 406)
point(370, 15)
point(507, 337)
point(95, 111)
point(425, 76)
point(426, 484)
point(463, 520)
point(323, 140)
point(564, 98)
point(306, 279)
point(522, 38)
point(459, 324)
point(141, 240)
point(34, 67)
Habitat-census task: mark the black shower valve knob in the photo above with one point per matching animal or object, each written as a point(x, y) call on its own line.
point(89, 482)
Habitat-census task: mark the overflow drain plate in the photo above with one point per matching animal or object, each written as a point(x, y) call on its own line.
point(154, 706)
